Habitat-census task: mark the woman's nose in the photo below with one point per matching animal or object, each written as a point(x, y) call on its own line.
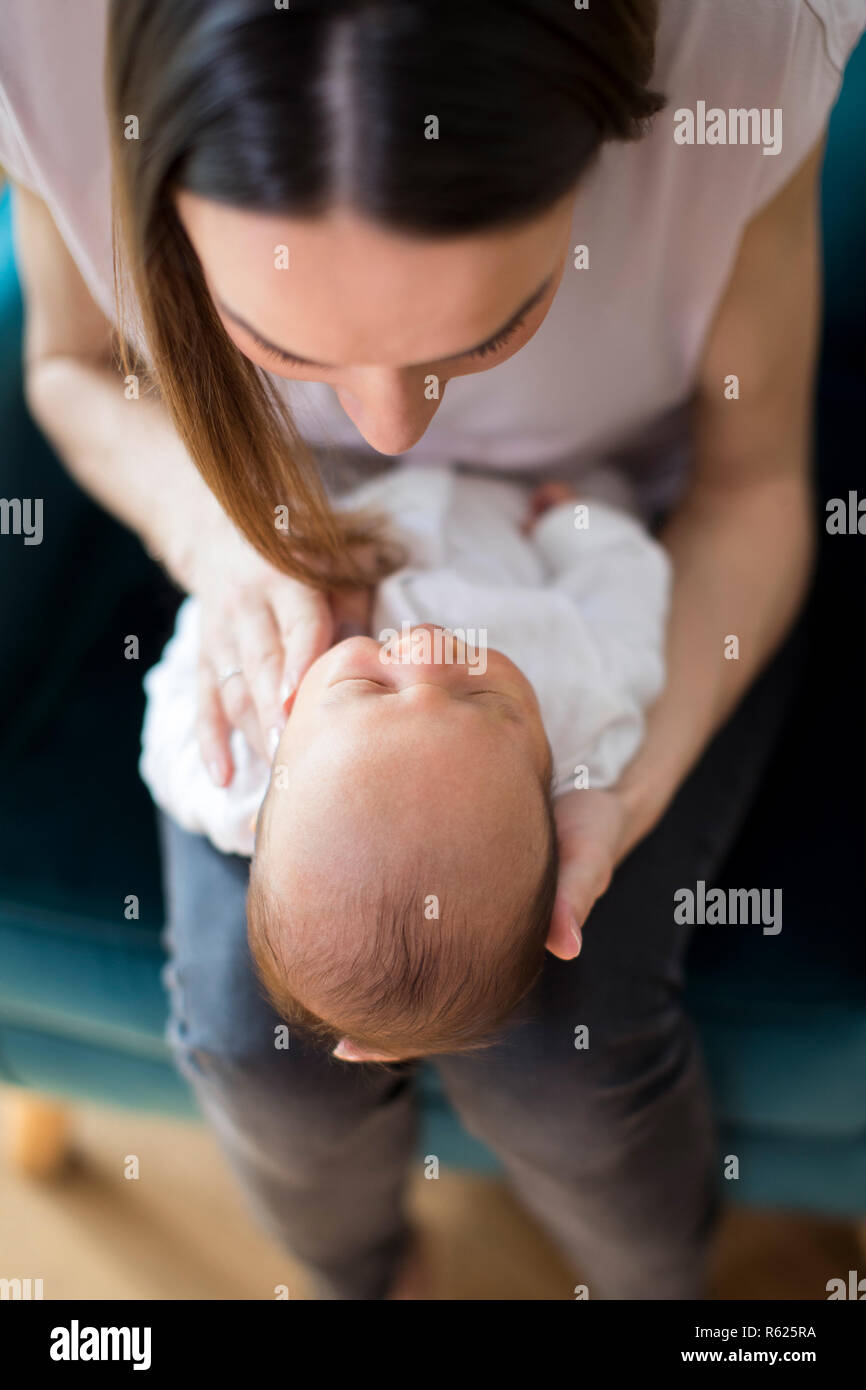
point(390, 408)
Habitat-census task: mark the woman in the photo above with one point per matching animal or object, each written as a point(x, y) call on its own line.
point(376, 201)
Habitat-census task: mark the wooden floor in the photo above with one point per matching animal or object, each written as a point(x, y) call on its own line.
point(180, 1231)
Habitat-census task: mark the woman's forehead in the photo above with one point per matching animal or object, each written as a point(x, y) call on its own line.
point(340, 290)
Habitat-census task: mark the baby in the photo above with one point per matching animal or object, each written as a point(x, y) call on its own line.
point(405, 862)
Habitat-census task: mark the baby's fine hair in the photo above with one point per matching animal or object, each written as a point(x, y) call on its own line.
point(417, 981)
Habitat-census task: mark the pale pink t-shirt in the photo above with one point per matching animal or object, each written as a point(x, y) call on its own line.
point(609, 375)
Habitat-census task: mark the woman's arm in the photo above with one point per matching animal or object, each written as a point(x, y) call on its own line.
point(741, 541)
point(128, 456)
point(123, 452)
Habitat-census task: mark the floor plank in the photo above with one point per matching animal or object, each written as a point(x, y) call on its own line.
point(181, 1230)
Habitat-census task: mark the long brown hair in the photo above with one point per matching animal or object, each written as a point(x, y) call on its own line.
point(285, 109)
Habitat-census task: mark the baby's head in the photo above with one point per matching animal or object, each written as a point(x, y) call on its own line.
point(405, 871)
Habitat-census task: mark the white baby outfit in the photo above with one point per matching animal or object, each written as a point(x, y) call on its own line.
point(580, 608)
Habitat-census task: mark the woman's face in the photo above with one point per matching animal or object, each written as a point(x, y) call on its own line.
point(376, 314)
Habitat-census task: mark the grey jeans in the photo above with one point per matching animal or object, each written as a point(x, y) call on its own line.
point(611, 1147)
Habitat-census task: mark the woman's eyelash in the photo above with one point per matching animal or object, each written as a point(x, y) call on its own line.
point(496, 343)
point(278, 354)
point(493, 346)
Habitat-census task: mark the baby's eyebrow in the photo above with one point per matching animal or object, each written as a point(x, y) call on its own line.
point(505, 703)
point(507, 707)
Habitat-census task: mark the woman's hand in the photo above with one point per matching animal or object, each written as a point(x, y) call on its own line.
point(592, 828)
point(260, 632)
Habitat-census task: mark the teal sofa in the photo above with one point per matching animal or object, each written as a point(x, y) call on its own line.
point(82, 1009)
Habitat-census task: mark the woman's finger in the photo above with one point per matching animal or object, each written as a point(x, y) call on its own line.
point(240, 710)
point(579, 891)
point(306, 628)
point(582, 881)
point(262, 657)
point(223, 675)
point(213, 731)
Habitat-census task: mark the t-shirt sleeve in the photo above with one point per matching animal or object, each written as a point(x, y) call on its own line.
point(14, 157)
point(818, 44)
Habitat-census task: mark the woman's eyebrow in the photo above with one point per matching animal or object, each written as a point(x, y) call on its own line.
point(467, 352)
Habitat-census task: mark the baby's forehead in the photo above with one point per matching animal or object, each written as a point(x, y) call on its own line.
point(407, 836)
point(403, 778)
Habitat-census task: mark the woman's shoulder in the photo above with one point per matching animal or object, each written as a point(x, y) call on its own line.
point(761, 75)
point(842, 22)
point(53, 129)
point(765, 34)
point(51, 89)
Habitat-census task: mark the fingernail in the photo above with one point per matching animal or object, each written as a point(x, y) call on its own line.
point(274, 739)
point(578, 936)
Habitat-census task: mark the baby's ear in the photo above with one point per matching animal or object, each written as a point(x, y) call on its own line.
point(348, 1052)
point(564, 938)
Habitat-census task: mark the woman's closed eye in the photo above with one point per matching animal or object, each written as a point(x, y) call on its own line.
point(485, 350)
point(496, 344)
